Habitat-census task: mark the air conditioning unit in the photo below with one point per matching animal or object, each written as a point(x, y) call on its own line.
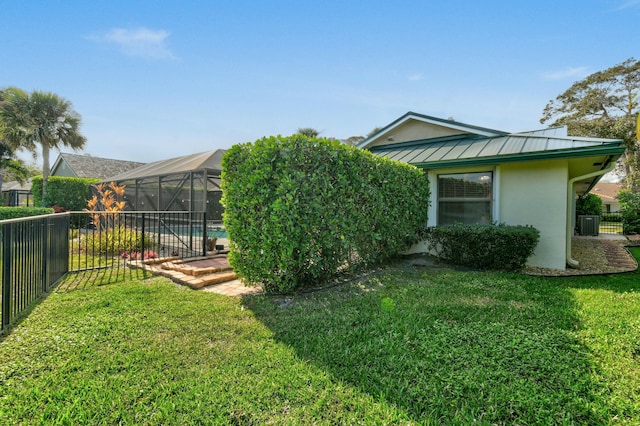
point(588, 225)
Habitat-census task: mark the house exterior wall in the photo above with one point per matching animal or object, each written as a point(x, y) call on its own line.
point(535, 193)
point(526, 193)
point(414, 130)
point(63, 169)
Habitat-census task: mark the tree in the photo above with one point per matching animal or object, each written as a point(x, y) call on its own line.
point(39, 118)
point(9, 164)
point(309, 132)
point(354, 140)
point(603, 104)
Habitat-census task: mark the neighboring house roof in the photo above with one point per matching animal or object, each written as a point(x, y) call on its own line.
point(87, 166)
point(187, 163)
point(16, 186)
point(607, 191)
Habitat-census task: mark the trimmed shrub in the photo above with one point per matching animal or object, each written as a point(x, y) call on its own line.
point(115, 241)
point(630, 209)
point(18, 212)
point(298, 209)
point(69, 193)
point(497, 247)
point(589, 204)
point(611, 217)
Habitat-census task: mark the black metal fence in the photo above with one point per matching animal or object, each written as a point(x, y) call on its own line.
point(108, 240)
point(80, 247)
point(34, 255)
point(610, 223)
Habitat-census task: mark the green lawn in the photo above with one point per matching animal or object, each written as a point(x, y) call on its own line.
point(405, 346)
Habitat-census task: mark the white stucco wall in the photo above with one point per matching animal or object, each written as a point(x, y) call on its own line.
point(527, 193)
point(535, 193)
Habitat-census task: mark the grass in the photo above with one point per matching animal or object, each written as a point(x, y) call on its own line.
point(404, 346)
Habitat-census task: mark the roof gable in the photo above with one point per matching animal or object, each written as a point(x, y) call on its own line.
point(413, 126)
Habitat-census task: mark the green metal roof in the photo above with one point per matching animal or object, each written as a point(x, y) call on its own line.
point(473, 149)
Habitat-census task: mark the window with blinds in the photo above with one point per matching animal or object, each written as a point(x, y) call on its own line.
point(465, 198)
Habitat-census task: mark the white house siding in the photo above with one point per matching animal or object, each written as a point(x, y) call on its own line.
point(526, 193)
point(533, 193)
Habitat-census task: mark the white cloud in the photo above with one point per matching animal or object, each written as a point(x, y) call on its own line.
point(415, 77)
point(140, 42)
point(566, 72)
point(628, 4)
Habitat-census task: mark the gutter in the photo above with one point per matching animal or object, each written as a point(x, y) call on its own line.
point(609, 166)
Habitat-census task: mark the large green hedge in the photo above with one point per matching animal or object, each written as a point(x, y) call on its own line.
point(18, 212)
point(301, 209)
point(69, 193)
point(630, 208)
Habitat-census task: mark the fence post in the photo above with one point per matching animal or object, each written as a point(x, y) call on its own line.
point(142, 242)
point(6, 274)
point(205, 234)
point(45, 254)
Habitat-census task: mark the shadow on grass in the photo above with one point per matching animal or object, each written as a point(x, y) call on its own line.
point(449, 347)
point(79, 280)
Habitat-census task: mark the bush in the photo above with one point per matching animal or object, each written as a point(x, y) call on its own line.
point(496, 247)
point(589, 204)
point(630, 209)
point(18, 212)
point(301, 209)
point(611, 217)
point(69, 193)
point(115, 241)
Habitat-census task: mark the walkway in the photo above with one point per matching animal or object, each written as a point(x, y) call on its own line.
point(210, 273)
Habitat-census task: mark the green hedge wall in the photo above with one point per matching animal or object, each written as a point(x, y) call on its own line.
point(497, 247)
point(18, 212)
point(630, 209)
point(68, 192)
point(298, 210)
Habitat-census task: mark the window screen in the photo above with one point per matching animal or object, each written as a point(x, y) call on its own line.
point(465, 198)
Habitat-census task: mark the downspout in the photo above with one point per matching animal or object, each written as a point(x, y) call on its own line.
point(609, 166)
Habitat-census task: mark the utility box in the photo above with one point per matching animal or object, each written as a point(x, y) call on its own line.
point(589, 225)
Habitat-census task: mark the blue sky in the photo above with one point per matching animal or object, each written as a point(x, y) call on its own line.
point(157, 79)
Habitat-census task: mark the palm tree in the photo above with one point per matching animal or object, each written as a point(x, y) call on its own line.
point(8, 161)
point(39, 118)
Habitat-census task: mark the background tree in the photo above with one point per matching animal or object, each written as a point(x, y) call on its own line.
point(39, 118)
point(354, 140)
point(309, 132)
point(10, 166)
point(603, 104)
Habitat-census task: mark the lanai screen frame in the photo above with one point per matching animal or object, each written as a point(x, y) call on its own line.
point(180, 191)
